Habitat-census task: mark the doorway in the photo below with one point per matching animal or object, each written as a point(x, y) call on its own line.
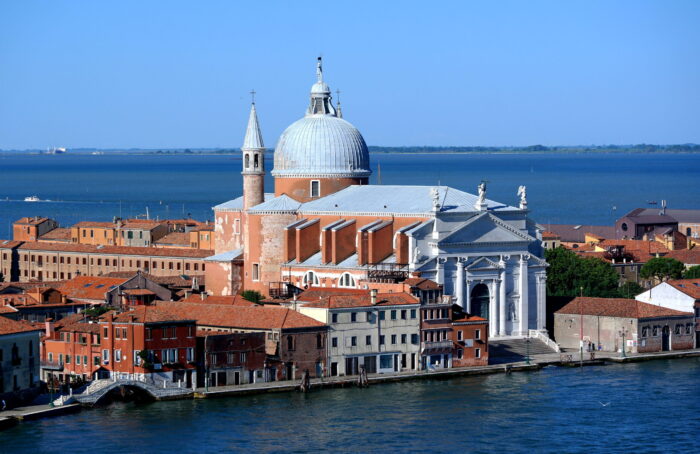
point(665, 335)
point(480, 301)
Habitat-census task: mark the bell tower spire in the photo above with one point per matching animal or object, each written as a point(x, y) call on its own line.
point(253, 152)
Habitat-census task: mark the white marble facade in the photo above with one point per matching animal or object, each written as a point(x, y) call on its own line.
point(490, 263)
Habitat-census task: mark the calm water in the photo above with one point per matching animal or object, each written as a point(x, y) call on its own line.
point(653, 407)
point(562, 188)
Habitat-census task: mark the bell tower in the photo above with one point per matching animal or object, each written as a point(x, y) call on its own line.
point(253, 152)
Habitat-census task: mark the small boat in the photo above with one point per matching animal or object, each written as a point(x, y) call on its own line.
point(32, 198)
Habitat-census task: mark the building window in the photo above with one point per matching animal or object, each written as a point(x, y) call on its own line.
point(393, 314)
point(334, 342)
point(414, 339)
point(460, 354)
point(319, 341)
point(105, 356)
point(393, 338)
point(655, 331)
point(477, 353)
point(368, 340)
point(256, 271)
point(688, 328)
point(679, 329)
point(334, 318)
point(117, 355)
point(381, 339)
point(346, 280)
point(403, 314)
point(67, 359)
point(237, 226)
point(290, 343)
point(353, 317)
point(460, 335)
point(645, 331)
point(477, 334)
point(353, 341)
point(190, 354)
point(382, 315)
point(149, 334)
point(105, 333)
point(315, 188)
point(77, 360)
point(311, 279)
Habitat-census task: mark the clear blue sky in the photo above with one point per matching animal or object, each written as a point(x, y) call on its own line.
point(177, 74)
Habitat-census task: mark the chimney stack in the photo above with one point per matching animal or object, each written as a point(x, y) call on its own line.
point(373, 296)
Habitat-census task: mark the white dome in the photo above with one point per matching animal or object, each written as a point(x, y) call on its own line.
point(321, 146)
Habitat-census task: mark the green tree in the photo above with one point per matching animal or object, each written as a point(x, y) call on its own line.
point(660, 269)
point(252, 295)
point(630, 290)
point(570, 275)
point(692, 273)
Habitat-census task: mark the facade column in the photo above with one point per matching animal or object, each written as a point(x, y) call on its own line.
point(542, 302)
point(493, 314)
point(523, 312)
point(468, 295)
point(439, 272)
point(502, 316)
point(459, 285)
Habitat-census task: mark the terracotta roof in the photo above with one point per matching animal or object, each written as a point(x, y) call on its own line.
point(316, 293)
point(236, 300)
point(89, 287)
point(181, 280)
point(57, 234)
point(364, 300)
point(253, 317)
point(138, 291)
point(114, 250)
point(178, 238)
point(8, 326)
point(81, 325)
point(690, 287)
point(140, 223)
point(67, 320)
point(469, 318)
point(549, 235)
point(687, 256)
point(422, 283)
point(7, 309)
point(646, 247)
point(576, 233)
point(17, 299)
point(94, 224)
point(31, 285)
point(148, 314)
point(618, 307)
point(9, 244)
point(33, 220)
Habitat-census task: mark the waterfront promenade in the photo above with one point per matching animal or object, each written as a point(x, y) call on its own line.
point(537, 362)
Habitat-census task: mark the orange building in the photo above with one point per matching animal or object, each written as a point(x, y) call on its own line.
point(31, 228)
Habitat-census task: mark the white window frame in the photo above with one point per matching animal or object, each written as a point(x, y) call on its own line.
point(137, 358)
point(316, 281)
point(347, 280)
point(105, 356)
point(190, 354)
point(460, 335)
point(311, 188)
point(477, 353)
point(117, 356)
point(237, 226)
point(477, 334)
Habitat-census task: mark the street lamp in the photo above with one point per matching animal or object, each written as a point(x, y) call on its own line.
point(623, 332)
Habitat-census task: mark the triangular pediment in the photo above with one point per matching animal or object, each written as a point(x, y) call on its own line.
point(485, 229)
point(482, 263)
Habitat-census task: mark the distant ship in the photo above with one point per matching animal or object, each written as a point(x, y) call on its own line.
point(56, 150)
point(32, 198)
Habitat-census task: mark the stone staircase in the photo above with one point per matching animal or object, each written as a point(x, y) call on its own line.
point(508, 350)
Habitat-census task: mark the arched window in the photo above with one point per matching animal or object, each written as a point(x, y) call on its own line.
point(247, 160)
point(256, 161)
point(346, 280)
point(480, 300)
point(311, 279)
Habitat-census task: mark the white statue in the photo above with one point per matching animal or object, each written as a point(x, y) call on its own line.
point(522, 192)
point(435, 195)
point(481, 201)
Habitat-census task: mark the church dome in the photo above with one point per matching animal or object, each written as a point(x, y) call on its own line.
point(321, 144)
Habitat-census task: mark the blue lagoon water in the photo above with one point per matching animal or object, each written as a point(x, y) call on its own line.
point(649, 407)
point(586, 188)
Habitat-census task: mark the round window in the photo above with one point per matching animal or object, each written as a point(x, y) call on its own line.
point(624, 226)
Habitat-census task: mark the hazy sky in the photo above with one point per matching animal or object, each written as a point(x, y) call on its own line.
point(177, 74)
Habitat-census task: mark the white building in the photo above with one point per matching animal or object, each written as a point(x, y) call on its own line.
point(380, 332)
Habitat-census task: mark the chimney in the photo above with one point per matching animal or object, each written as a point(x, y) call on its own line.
point(373, 296)
point(203, 295)
point(49, 327)
point(416, 274)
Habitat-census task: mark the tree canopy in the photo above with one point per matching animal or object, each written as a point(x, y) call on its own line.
point(692, 273)
point(571, 275)
point(661, 269)
point(252, 295)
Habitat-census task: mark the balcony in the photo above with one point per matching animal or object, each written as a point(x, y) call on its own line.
point(282, 290)
point(436, 347)
point(387, 272)
point(52, 365)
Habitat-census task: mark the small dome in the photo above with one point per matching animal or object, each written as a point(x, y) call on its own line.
point(320, 88)
point(321, 146)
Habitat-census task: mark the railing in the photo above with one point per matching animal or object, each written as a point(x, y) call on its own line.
point(387, 272)
point(439, 345)
point(535, 334)
point(282, 290)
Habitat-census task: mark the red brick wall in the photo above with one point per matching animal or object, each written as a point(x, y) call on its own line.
point(305, 352)
point(380, 243)
point(344, 242)
point(307, 241)
point(299, 188)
